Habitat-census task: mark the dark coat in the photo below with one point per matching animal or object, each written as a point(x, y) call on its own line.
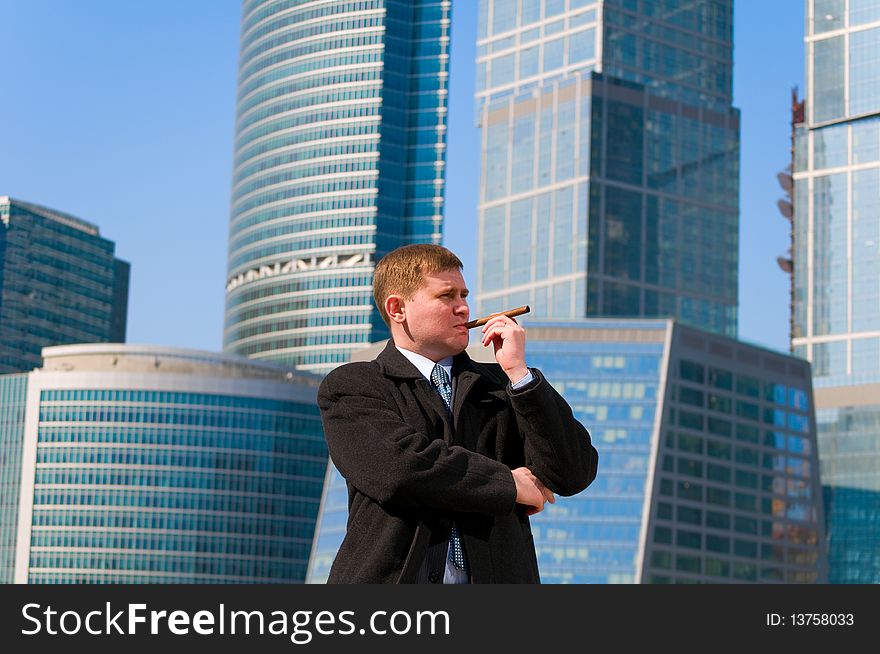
point(410, 472)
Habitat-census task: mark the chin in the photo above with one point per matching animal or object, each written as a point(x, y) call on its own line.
point(460, 345)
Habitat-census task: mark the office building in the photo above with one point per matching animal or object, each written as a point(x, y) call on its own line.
point(610, 160)
point(836, 267)
point(147, 464)
point(13, 391)
point(339, 158)
point(708, 467)
point(59, 284)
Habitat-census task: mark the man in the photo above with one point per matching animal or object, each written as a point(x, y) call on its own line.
point(445, 458)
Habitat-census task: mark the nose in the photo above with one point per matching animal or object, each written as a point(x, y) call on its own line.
point(462, 308)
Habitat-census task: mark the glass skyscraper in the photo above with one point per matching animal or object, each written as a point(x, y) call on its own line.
point(13, 393)
point(146, 464)
point(339, 158)
point(836, 258)
point(59, 284)
point(610, 159)
point(708, 463)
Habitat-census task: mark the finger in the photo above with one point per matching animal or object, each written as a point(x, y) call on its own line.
point(548, 494)
point(533, 507)
point(498, 320)
point(504, 331)
point(495, 332)
point(506, 321)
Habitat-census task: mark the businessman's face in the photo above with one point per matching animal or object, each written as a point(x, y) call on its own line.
point(436, 314)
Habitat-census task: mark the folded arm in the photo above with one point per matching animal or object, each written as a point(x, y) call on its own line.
point(558, 448)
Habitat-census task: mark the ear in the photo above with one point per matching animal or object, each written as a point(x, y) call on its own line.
point(395, 307)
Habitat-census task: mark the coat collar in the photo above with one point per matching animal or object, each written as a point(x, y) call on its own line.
point(464, 372)
point(394, 364)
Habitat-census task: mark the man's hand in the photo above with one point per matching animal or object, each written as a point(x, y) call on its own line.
point(530, 491)
point(509, 339)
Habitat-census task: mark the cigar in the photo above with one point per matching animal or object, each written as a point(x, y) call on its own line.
point(510, 313)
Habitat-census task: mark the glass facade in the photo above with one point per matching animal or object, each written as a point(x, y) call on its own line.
point(339, 158)
point(615, 389)
point(13, 396)
point(837, 270)
point(330, 527)
point(849, 442)
point(168, 466)
point(610, 175)
point(736, 487)
point(59, 284)
point(708, 461)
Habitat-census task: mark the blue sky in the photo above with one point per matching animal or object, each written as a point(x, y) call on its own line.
point(122, 113)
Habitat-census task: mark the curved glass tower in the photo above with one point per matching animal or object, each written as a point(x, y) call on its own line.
point(149, 464)
point(339, 158)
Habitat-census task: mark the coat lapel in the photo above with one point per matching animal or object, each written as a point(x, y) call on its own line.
point(431, 398)
point(465, 379)
point(394, 364)
point(465, 375)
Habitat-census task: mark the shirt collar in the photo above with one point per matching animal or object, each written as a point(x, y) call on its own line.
point(424, 364)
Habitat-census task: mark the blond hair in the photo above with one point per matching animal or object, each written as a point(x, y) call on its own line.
point(403, 271)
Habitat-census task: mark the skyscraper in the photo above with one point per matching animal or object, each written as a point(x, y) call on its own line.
point(610, 153)
point(59, 284)
point(13, 394)
point(707, 460)
point(837, 271)
point(147, 464)
point(339, 158)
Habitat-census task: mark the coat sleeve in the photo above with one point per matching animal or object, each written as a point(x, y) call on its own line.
point(389, 461)
point(558, 448)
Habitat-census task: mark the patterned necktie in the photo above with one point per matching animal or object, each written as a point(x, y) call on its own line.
point(440, 379)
